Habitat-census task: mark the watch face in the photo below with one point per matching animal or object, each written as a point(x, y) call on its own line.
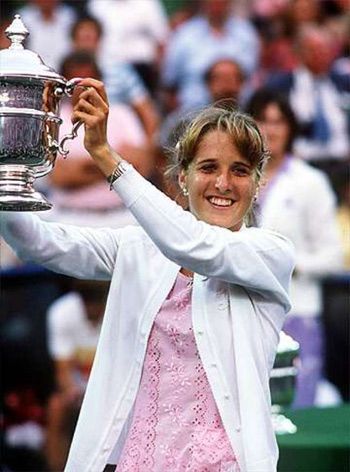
point(119, 170)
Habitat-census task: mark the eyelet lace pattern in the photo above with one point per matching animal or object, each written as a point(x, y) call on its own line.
point(176, 425)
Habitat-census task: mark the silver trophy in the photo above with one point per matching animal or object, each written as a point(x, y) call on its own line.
point(282, 383)
point(30, 94)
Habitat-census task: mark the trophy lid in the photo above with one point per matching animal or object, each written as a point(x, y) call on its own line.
point(16, 61)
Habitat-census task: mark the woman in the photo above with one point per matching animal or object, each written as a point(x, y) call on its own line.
point(181, 375)
point(298, 201)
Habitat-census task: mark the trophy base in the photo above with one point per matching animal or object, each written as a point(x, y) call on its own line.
point(17, 192)
point(31, 202)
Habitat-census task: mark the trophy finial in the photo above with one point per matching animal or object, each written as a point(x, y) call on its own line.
point(17, 33)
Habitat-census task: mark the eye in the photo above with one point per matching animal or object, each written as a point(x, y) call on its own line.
point(207, 168)
point(241, 171)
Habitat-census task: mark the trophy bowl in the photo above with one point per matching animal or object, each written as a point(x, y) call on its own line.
point(282, 383)
point(30, 95)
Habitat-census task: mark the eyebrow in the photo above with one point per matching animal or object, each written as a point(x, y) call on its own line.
point(213, 160)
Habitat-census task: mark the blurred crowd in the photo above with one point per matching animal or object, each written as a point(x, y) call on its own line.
point(286, 62)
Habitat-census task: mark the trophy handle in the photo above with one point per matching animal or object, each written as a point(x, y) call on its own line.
point(73, 134)
point(59, 92)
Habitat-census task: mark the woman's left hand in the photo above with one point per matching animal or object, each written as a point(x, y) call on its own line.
point(92, 109)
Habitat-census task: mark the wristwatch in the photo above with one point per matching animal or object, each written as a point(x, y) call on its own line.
point(119, 170)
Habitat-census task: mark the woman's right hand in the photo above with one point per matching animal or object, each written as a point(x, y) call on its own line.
point(92, 109)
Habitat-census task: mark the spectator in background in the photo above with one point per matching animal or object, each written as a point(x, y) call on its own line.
point(210, 35)
point(122, 81)
point(135, 33)
point(302, 12)
point(224, 80)
point(74, 323)
point(276, 39)
point(315, 100)
point(298, 202)
point(78, 189)
point(49, 23)
point(86, 34)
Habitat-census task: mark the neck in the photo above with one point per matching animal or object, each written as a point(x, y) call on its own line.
point(47, 14)
point(186, 272)
point(217, 24)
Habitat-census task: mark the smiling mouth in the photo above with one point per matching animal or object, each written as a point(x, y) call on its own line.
point(220, 202)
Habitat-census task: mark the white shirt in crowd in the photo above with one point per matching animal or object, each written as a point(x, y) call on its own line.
point(133, 29)
point(300, 204)
point(50, 39)
point(303, 99)
point(72, 336)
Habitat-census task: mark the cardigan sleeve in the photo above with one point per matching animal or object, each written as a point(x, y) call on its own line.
point(78, 252)
point(254, 258)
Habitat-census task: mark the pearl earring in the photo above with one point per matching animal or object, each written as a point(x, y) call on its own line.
point(185, 191)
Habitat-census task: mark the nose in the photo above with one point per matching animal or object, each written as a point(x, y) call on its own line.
point(223, 183)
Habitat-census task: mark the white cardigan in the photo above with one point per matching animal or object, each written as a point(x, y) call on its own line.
point(239, 302)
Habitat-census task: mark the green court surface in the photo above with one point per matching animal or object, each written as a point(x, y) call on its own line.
point(321, 444)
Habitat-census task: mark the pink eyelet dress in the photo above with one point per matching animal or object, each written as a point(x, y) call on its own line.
point(176, 425)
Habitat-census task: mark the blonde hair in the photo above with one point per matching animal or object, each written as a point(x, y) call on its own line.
point(242, 128)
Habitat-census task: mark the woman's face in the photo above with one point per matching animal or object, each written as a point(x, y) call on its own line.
point(275, 128)
point(220, 182)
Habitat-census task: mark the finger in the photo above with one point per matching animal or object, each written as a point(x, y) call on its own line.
point(94, 98)
point(87, 107)
point(97, 85)
point(90, 121)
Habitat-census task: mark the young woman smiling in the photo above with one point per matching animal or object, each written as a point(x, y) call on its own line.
point(197, 299)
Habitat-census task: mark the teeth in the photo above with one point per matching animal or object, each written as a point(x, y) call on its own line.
point(221, 201)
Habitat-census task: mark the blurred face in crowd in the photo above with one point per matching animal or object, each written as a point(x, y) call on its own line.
point(86, 37)
point(275, 128)
point(46, 6)
point(225, 80)
point(217, 11)
point(220, 181)
point(304, 11)
point(316, 52)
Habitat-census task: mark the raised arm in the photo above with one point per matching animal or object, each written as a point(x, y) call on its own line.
point(78, 252)
point(256, 259)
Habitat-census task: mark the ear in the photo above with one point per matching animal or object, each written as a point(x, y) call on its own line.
point(182, 179)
